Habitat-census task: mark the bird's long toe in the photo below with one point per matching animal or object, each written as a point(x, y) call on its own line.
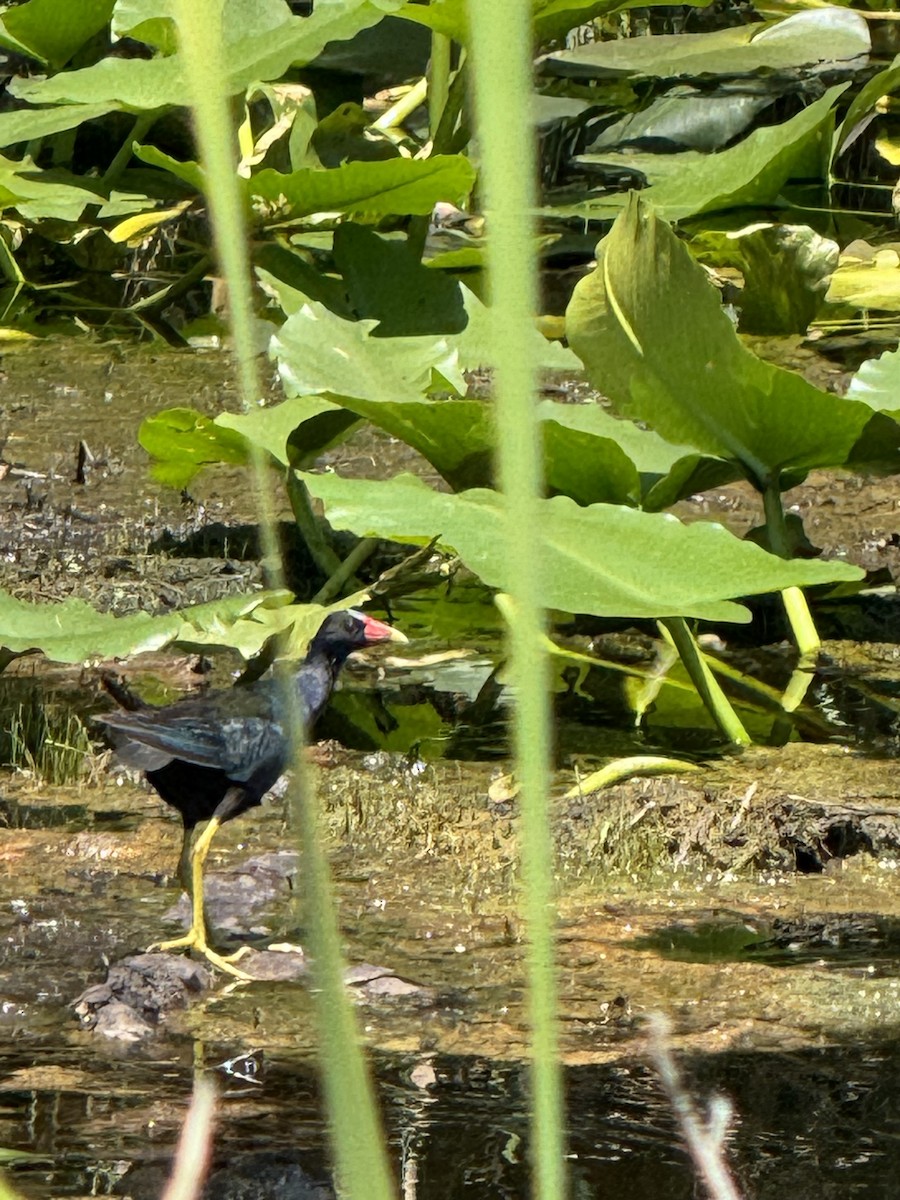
point(226, 964)
point(183, 943)
point(193, 940)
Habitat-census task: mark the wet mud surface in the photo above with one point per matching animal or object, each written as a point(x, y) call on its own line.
point(757, 902)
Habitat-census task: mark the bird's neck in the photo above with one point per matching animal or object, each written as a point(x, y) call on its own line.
point(315, 681)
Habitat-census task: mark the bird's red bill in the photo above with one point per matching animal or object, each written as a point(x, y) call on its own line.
point(378, 631)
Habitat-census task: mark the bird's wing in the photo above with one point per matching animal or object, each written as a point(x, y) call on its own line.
point(234, 744)
point(170, 735)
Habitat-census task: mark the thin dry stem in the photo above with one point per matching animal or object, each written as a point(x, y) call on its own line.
point(194, 1146)
point(705, 1140)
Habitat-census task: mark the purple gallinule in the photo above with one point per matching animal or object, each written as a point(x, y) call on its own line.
point(214, 756)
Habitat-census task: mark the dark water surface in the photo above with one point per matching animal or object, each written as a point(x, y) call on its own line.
point(821, 1122)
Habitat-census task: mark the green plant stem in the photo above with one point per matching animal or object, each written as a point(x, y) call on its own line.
point(310, 527)
point(801, 622)
point(795, 606)
point(717, 703)
point(168, 294)
point(438, 80)
point(404, 107)
point(334, 584)
point(776, 528)
point(503, 102)
point(142, 126)
point(447, 137)
point(358, 1144)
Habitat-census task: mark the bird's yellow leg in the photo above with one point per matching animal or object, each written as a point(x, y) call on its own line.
point(195, 938)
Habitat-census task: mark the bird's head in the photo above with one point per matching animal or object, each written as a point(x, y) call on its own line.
point(349, 630)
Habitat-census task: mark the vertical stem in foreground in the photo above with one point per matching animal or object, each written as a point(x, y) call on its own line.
point(501, 46)
point(359, 1156)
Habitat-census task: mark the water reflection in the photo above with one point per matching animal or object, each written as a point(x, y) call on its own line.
point(811, 1122)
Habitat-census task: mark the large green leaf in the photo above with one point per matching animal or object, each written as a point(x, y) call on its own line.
point(605, 559)
point(686, 118)
point(826, 35)
point(295, 432)
point(72, 631)
point(389, 284)
point(877, 383)
point(589, 469)
point(650, 453)
point(785, 268)
point(52, 30)
point(753, 172)
point(475, 342)
point(458, 438)
point(37, 194)
point(255, 51)
point(181, 441)
point(293, 285)
point(399, 186)
point(319, 352)
point(24, 124)
point(588, 453)
point(654, 338)
point(595, 457)
point(154, 21)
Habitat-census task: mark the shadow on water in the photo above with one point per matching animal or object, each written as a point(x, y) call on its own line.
point(868, 942)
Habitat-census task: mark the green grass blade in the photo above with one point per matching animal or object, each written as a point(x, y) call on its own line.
point(501, 47)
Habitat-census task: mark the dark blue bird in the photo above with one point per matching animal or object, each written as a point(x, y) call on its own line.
point(215, 756)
